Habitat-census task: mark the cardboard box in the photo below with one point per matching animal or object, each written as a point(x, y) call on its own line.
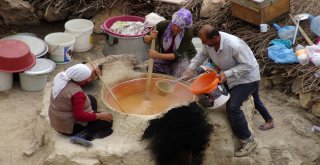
point(259, 11)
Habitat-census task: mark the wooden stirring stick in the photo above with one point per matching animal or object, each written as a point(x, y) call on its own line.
point(150, 69)
point(106, 85)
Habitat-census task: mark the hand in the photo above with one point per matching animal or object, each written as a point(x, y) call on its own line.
point(153, 34)
point(223, 77)
point(95, 73)
point(154, 53)
point(104, 116)
point(188, 73)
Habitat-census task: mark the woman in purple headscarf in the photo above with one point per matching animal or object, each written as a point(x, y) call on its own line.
point(175, 47)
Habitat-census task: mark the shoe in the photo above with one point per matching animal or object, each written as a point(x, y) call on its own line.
point(266, 126)
point(81, 141)
point(246, 148)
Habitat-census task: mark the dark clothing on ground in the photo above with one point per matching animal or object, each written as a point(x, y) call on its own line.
point(94, 129)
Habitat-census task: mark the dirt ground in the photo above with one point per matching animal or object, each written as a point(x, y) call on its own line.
point(19, 110)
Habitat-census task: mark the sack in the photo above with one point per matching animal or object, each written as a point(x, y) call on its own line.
point(281, 54)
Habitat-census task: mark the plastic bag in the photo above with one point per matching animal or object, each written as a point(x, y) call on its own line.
point(281, 54)
point(315, 25)
point(152, 19)
point(302, 55)
point(287, 43)
point(286, 32)
point(127, 27)
point(314, 54)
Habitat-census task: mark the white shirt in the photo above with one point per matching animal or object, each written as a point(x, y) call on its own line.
point(234, 58)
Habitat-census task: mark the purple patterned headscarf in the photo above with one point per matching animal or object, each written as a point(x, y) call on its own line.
point(181, 18)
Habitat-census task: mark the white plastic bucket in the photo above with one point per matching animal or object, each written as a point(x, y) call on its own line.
point(35, 78)
point(60, 47)
point(82, 30)
point(215, 99)
point(5, 81)
point(33, 83)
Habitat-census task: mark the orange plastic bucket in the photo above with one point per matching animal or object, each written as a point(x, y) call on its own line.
point(210, 93)
point(205, 83)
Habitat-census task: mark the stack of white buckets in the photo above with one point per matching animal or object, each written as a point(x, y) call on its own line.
point(76, 38)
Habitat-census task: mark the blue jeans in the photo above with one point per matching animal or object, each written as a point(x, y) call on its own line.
point(239, 94)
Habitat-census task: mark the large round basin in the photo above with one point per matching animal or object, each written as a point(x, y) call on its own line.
point(131, 96)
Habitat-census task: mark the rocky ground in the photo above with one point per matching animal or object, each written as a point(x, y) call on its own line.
point(290, 143)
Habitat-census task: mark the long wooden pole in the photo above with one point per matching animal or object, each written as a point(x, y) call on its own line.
point(150, 69)
point(106, 85)
point(301, 30)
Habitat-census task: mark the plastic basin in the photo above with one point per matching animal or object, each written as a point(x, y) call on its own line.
point(15, 56)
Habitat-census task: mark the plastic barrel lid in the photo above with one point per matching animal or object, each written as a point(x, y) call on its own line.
point(42, 66)
point(37, 46)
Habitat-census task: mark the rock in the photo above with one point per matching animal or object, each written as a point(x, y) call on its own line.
point(263, 157)
point(17, 12)
point(79, 161)
point(52, 16)
point(293, 101)
point(306, 100)
point(241, 161)
point(209, 7)
point(299, 125)
point(266, 83)
point(279, 81)
point(296, 85)
point(101, 17)
point(282, 155)
point(316, 109)
point(32, 148)
point(311, 117)
point(308, 163)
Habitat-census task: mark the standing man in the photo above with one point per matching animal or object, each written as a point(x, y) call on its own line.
point(240, 70)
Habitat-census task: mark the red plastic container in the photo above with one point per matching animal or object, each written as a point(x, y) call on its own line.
point(205, 83)
point(15, 56)
point(109, 22)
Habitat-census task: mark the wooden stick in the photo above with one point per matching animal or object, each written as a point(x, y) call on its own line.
point(106, 85)
point(302, 31)
point(150, 69)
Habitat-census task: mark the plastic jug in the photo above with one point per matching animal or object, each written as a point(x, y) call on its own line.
point(286, 32)
point(302, 54)
point(315, 24)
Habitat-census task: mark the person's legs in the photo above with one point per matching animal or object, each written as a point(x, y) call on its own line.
point(78, 136)
point(94, 104)
point(259, 106)
point(239, 125)
point(98, 129)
